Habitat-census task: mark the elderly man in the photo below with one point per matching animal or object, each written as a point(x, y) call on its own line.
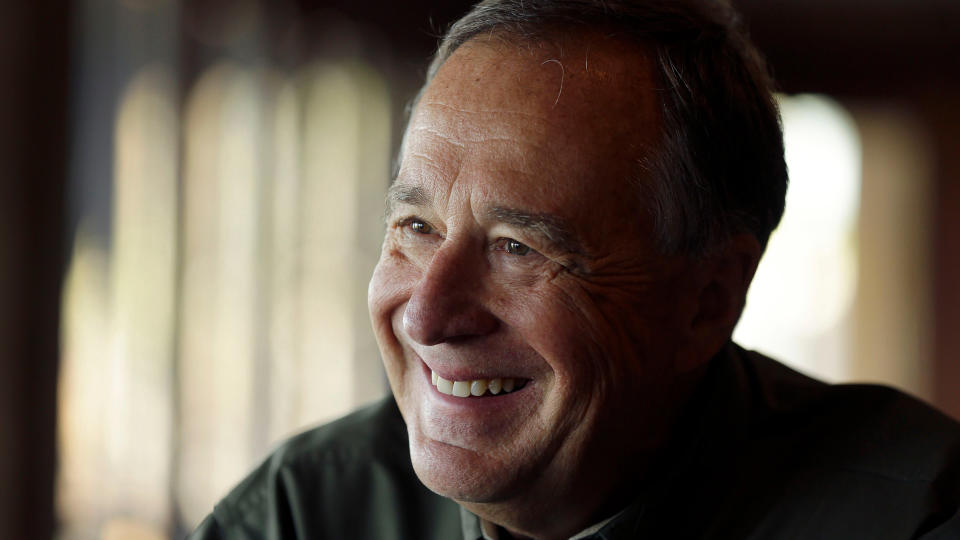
point(584, 191)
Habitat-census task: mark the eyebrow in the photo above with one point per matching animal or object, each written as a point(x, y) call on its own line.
point(406, 194)
point(553, 228)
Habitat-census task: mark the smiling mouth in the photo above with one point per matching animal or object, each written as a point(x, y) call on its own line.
point(477, 387)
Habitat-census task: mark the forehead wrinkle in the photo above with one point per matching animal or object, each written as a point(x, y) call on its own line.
point(431, 131)
point(461, 110)
point(472, 136)
point(550, 226)
point(460, 121)
point(461, 140)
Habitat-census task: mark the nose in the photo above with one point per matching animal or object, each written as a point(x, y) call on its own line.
point(448, 303)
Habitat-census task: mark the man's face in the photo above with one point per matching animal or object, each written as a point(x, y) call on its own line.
point(515, 250)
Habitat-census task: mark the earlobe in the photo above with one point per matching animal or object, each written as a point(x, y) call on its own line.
point(730, 272)
point(724, 278)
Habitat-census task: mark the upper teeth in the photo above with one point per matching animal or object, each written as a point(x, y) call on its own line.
point(477, 387)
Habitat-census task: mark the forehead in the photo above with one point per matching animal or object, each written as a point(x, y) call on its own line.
point(547, 123)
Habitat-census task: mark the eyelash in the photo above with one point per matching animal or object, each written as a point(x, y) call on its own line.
point(511, 246)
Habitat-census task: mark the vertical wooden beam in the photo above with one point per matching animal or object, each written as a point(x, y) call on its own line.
point(943, 113)
point(33, 147)
point(894, 313)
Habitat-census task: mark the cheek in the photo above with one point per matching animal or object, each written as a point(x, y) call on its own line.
point(552, 323)
point(584, 382)
point(594, 340)
point(390, 287)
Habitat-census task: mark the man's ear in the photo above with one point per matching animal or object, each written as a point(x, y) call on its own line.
point(723, 279)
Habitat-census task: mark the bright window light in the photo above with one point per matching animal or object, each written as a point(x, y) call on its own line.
point(799, 306)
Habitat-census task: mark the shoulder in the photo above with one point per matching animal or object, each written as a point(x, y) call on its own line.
point(874, 426)
point(852, 454)
point(351, 477)
point(375, 432)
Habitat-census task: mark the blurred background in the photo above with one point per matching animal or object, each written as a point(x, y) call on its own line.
point(190, 209)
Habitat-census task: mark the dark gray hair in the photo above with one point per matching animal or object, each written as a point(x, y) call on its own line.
point(718, 169)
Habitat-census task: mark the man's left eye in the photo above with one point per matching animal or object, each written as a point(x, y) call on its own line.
point(516, 248)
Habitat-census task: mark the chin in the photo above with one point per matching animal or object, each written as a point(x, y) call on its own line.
point(460, 474)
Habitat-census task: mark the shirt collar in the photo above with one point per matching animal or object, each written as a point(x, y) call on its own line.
point(475, 528)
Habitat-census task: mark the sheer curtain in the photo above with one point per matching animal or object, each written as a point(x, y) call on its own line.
point(220, 304)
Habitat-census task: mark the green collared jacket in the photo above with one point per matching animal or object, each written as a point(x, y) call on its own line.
point(762, 452)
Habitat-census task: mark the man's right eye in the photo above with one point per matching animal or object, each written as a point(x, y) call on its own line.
point(421, 227)
point(416, 225)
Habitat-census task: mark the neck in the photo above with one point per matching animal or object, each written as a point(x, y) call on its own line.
point(543, 520)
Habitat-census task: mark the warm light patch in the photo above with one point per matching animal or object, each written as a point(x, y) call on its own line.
point(799, 305)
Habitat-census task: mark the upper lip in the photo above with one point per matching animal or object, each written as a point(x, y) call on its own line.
point(452, 372)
